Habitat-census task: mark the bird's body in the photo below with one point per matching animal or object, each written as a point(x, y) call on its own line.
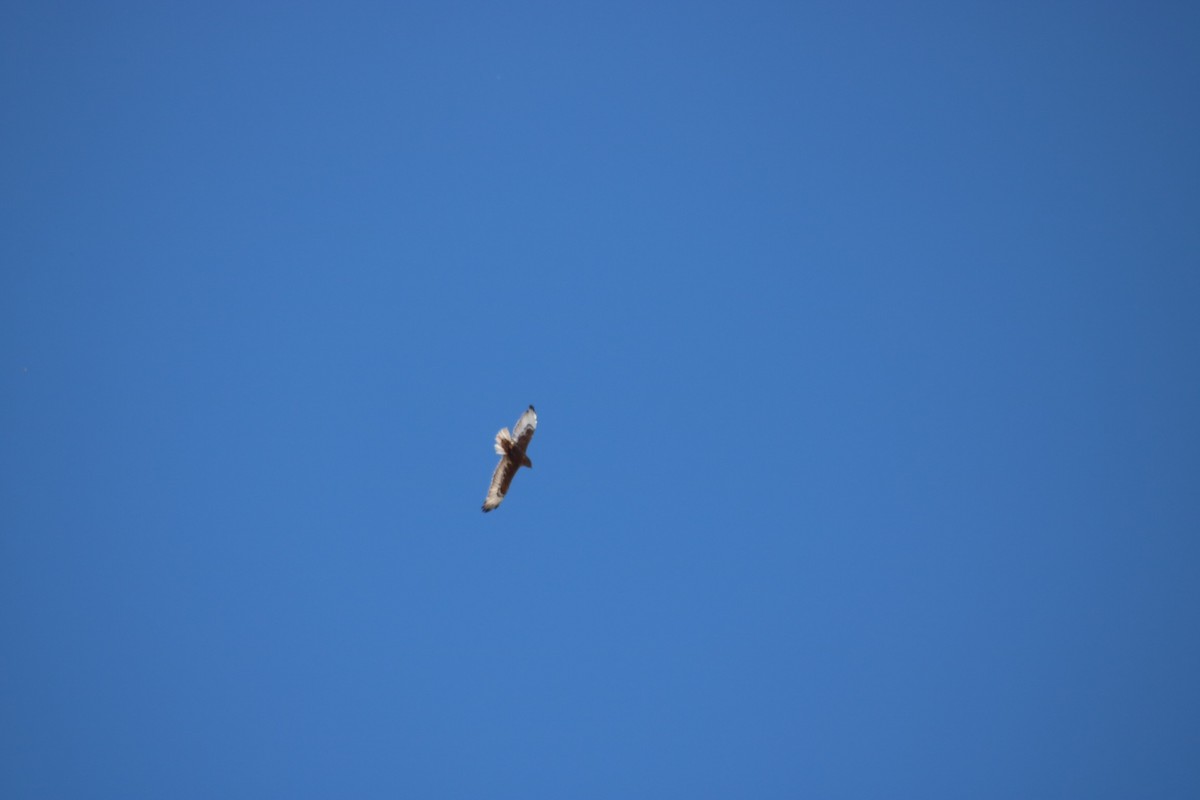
point(511, 449)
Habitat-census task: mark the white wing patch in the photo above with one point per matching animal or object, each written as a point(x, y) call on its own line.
point(526, 425)
point(501, 479)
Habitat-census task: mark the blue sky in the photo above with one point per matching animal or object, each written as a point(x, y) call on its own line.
point(863, 338)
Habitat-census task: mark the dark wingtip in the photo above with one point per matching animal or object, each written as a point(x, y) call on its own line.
point(531, 408)
point(486, 509)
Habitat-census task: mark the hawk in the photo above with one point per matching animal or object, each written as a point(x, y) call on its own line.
point(511, 449)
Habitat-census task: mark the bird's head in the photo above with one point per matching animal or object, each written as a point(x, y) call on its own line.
point(525, 462)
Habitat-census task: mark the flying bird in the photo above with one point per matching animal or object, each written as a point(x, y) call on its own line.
point(511, 449)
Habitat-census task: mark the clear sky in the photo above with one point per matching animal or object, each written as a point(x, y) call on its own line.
point(864, 340)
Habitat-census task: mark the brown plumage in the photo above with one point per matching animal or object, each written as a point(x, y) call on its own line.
point(511, 449)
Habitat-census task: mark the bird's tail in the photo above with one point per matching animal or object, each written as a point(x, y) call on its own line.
point(504, 441)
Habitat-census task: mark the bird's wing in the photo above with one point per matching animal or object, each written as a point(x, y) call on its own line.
point(523, 430)
point(501, 478)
